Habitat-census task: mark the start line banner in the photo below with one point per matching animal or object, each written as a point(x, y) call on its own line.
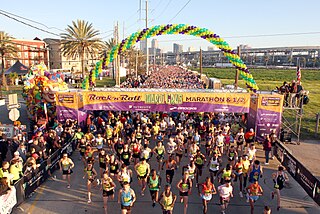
point(166, 101)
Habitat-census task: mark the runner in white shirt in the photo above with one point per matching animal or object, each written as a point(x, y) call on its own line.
point(225, 193)
point(171, 146)
point(220, 142)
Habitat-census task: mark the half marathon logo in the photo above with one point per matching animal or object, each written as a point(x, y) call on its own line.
point(172, 99)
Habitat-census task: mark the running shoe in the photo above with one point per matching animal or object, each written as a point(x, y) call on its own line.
point(98, 182)
point(241, 194)
point(153, 204)
point(68, 186)
point(89, 201)
point(272, 195)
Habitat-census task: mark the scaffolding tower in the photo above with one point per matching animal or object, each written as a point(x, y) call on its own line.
point(292, 116)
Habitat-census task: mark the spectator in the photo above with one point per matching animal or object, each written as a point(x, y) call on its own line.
point(267, 146)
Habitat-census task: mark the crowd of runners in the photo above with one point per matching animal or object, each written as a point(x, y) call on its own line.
point(122, 144)
point(166, 77)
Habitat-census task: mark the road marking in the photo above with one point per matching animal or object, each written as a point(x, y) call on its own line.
point(39, 193)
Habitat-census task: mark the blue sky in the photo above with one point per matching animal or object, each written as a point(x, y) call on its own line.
point(228, 18)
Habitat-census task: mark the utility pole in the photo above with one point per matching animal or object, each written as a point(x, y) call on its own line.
point(117, 60)
point(200, 63)
point(237, 70)
point(137, 64)
point(147, 51)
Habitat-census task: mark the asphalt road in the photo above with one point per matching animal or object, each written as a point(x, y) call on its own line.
point(54, 197)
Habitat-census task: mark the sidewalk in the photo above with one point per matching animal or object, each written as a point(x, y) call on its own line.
point(308, 153)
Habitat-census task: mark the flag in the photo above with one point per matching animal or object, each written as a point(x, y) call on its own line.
point(298, 74)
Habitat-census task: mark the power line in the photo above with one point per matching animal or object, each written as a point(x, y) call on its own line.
point(252, 36)
point(165, 8)
point(5, 13)
point(30, 20)
point(22, 22)
point(152, 11)
point(180, 11)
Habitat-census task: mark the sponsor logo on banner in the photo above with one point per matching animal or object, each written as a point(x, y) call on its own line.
point(292, 165)
point(121, 97)
point(270, 101)
point(66, 98)
point(305, 180)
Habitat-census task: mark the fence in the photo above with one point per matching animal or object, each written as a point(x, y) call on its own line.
point(301, 174)
point(29, 183)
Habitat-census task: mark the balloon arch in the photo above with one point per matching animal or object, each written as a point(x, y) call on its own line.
point(173, 29)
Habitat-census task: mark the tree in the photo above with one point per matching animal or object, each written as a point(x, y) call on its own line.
point(81, 40)
point(7, 50)
point(108, 45)
point(13, 76)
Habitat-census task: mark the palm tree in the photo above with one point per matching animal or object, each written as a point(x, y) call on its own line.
point(108, 45)
point(7, 49)
point(13, 76)
point(81, 40)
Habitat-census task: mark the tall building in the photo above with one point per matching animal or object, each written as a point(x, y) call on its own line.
point(29, 52)
point(154, 44)
point(191, 49)
point(143, 46)
point(177, 48)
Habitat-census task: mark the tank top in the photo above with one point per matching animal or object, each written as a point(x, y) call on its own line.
point(125, 176)
point(102, 158)
point(239, 167)
point(251, 153)
point(226, 175)
point(199, 160)
point(254, 174)
point(280, 179)
point(136, 149)
point(185, 185)
point(191, 170)
point(126, 198)
point(167, 201)
point(145, 154)
point(154, 184)
point(214, 164)
point(207, 190)
point(109, 133)
point(89, 154)
point(114, 166)
point(125, 155)
point(106, 184)
point(254, 190)
point(193, 150)
point(99, 142)
point(231, 154)
point(160, 150)
point(139, 135)
point(89, 172)
point(65, 164)
point(142, 169)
